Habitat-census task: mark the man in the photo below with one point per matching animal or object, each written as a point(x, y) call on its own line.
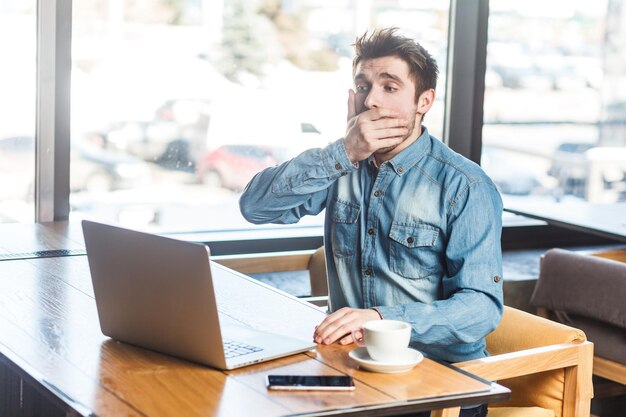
point(412, 229)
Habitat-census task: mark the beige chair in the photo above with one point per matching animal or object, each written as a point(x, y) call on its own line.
point(615, 255)
point(546, 365)
point(264, 263)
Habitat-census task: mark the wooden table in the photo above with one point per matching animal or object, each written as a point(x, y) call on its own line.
point(606, 220)
point(50, 343)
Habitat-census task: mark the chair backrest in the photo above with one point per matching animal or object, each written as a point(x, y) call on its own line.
point(519, 331)
point(586, 292)
point(317, 273)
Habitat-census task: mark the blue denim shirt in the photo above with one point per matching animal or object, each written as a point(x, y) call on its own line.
point(418, 238)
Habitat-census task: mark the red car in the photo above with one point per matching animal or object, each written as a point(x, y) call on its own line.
point(232, 166)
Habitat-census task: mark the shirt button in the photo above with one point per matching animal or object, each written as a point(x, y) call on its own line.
point(409, 239)
point(370, 231)
point(400, 170)
point(496, 278)
point(377, 193)
point(368, 272)
point(337, 165)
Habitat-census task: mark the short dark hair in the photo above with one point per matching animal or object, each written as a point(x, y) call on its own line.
point(386, 42)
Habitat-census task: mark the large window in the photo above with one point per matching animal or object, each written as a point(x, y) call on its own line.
point(17, 110)
point(555, 100)
point(177, 104)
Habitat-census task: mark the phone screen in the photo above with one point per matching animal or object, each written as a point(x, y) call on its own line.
point(310, 382)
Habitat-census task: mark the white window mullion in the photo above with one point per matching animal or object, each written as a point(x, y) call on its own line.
point(52, 149)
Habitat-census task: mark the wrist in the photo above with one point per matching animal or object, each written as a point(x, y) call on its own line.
point(380, 316)
point(349, 154)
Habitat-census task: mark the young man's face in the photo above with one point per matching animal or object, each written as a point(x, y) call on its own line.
point(385, 83)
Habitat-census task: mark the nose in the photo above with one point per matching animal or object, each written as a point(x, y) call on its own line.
point(372, 100)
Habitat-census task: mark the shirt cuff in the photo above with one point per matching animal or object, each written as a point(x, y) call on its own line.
point(389, 313)
point(339, 163)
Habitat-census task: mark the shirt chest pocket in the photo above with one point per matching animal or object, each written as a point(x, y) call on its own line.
point(344, 228)
point(414, 252)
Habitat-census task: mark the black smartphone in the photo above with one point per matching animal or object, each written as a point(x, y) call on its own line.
point(310, 382)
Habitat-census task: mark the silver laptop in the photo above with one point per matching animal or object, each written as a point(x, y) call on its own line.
point(157, 293)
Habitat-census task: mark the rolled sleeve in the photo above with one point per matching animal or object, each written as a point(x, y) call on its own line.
point(287, 192)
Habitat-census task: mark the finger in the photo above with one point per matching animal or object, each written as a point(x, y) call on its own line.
point(390, 133)
point(388, 123)
point(323, 329)
point(346, 340)
point(336, 336)
point(333, 331)
point(375, 136)
point(338, 333)
point(329, 320)
point(389, 142)
point(339, 329)
point(356, 336)
point(381, 113)
point(351, 104)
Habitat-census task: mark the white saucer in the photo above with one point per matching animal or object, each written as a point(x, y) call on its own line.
point(410, 358)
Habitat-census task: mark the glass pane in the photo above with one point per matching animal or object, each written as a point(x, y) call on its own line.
point(18, 45)
point(177, 104)
point(555, 100)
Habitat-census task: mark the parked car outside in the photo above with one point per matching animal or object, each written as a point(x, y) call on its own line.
point(249, 133)
point(516, 178)
point(173, 138)
point(589, 171)
point(569, 166)
point(92, 168)
point(232, 166)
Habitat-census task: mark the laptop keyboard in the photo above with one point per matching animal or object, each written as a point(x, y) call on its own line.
point(233, 349)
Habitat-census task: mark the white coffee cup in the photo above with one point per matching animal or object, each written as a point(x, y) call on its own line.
point(385, 340)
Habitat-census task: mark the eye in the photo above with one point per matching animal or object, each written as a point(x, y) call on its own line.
point(362, 88)
point(390, 89)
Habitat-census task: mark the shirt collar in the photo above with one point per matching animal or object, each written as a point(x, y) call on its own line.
point(410, 156)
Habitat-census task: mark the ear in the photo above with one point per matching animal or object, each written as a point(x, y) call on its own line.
point(425, 101)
